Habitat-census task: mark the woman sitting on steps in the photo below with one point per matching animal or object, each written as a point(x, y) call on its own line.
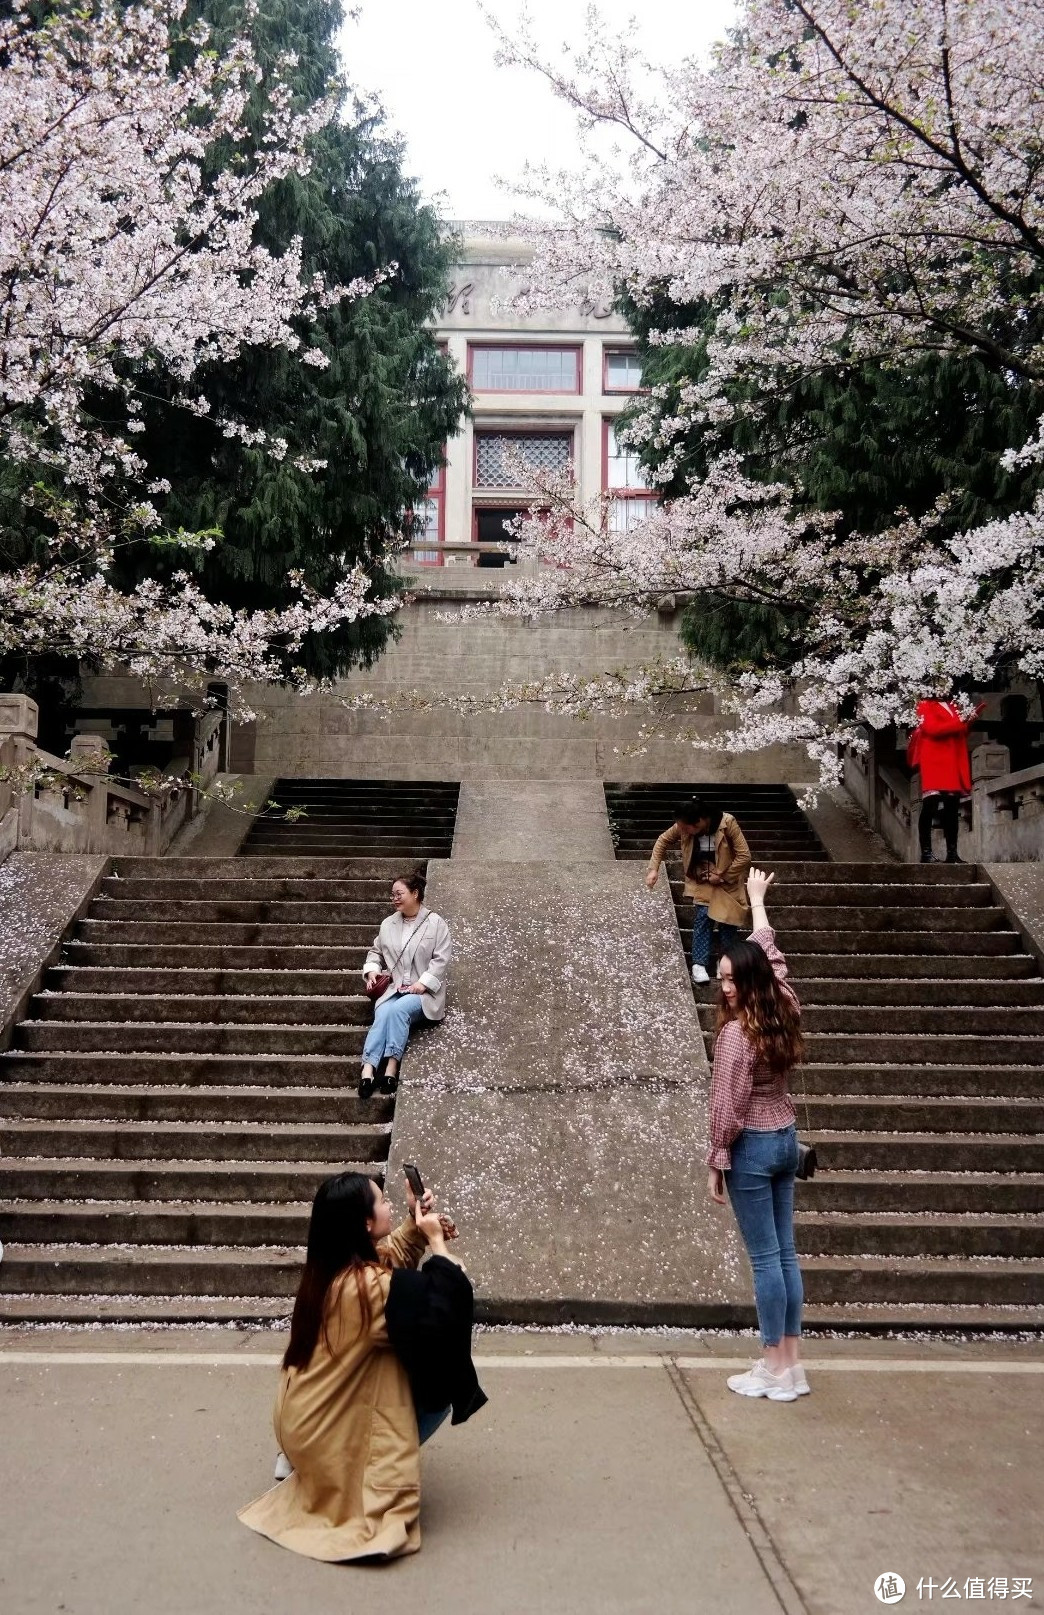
point(412, 948)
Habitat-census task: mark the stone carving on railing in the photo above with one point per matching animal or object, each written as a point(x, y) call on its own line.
point(55, 804)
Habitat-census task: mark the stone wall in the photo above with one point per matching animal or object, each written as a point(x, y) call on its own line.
point(321, 736)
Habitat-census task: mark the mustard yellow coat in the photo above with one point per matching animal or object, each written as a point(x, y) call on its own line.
point(726, 903)
point(348, 1426)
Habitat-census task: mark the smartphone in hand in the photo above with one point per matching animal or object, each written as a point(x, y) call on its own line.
point(413, 1178)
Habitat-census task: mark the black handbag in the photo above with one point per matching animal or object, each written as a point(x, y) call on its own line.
point(806, 1167)
point(807, 1162)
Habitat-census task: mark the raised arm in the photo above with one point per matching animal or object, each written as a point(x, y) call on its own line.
point(668, 839)
point(758, 883)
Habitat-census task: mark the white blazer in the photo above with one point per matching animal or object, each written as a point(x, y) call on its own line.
point(424, 958)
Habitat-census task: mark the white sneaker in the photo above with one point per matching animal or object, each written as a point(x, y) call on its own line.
point(799, 1381)
point(760, 1381)
point(283, 1467)
point(699, 975)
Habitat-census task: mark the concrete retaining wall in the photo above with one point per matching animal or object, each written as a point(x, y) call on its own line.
point(318, 735)
point(560, 1111)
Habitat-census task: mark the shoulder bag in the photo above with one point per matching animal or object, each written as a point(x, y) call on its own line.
point(379, 985)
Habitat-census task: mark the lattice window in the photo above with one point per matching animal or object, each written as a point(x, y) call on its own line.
point(541, 451)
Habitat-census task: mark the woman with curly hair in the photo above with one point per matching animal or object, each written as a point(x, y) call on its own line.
point(754, 1149)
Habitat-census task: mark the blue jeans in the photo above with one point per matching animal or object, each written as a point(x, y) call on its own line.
point(390, 1031)
point(701, 935)
point(760, 1185)
point(428, 1423)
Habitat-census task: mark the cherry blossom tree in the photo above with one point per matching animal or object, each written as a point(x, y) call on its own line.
point(841, 185)
point(129, 185)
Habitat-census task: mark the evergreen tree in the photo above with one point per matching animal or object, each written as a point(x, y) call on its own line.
point(864, 441)
point(381, 410)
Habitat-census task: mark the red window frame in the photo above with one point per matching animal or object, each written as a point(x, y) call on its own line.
point(609, 350)
point(627, 495)
point(519, 347)
point(608, 423)
point(529, 430)
point(420, 541)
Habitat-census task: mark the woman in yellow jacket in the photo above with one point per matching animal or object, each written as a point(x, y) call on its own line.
point(344, 1413)
point(715, 864)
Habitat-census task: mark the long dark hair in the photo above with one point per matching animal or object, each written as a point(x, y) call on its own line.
point(338, 1239)
point(770, 1018)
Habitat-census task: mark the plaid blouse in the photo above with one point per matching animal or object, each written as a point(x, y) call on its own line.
point(745, 1092)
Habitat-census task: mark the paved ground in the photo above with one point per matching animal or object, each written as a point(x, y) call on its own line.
point(614, 1475)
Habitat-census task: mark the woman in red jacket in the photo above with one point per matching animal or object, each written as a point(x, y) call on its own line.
point(939, 749)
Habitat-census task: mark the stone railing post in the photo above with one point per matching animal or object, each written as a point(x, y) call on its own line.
point(19, 726)
point(89, 756)
point(988, 761)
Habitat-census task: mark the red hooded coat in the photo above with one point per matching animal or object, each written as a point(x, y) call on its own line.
point(939, 748)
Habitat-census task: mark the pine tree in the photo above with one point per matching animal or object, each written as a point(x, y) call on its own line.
point(860, 440)
point(381, 411)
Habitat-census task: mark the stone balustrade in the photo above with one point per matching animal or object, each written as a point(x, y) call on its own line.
point(1001, 822)
point(55, 804)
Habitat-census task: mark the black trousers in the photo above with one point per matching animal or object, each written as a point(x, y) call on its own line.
point(948, 805)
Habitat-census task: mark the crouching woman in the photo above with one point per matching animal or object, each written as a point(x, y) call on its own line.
point(345, 1413)
point(753, 1144)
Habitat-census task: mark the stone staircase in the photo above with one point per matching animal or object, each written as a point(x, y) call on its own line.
point(774, 825)
point(187, 1076)
point(924, 1078)
point(343, 818)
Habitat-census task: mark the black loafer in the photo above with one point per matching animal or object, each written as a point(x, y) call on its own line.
point(389, 1084)
point(366, 1086)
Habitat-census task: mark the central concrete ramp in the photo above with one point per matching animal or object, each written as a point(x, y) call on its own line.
point(560, 1111)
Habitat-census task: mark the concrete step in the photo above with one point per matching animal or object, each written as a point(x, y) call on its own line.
point(867, 942)
point(180, 1038)
point(912, 1234)
point(192, 1073)
point(903, 1114)
point(248, 1009)
point(867, 1048)
point(108, 981)
point(148, 1270)
point(890, 993)
point(898, 919)
point(261, 1182)
point(66, 1101)
point(177, 869)
point(921, 1021)
point(942, 968)
point(872, 1190)
point(134, 890)
point(407, 854)
point(167, 958)
point(192, 1141)
point(1022, 1081)
point(429, 822)
point(238, 911)
point(852, 875)
point(770, 855)
point(928, 1152)
point(790, 894)
point(972, 1280)
point(185, 934)
point(55, 1310)
point(115, 1222)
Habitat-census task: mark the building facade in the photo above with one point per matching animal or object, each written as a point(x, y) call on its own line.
point(547, 389)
